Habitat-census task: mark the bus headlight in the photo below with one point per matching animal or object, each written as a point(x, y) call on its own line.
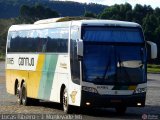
point(89, 89)
point(140, 90)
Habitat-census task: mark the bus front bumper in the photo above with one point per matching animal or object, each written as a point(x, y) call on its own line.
point(96, 100)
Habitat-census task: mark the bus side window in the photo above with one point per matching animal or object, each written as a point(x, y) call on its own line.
point(57, 40)
point(44, 40)
point(14, 38)
point(41, 40)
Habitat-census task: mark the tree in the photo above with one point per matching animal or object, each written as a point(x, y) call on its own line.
point(111, 13)
point(139, 12)
point(129, 15)
point(25, 11)
point(89, 14)
point(37, 12)
point(118, 12)
point(149, 26)
point(157, 11)
point(125, 11)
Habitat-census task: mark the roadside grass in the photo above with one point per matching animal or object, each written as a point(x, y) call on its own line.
point(152, 68)
point(2, 57)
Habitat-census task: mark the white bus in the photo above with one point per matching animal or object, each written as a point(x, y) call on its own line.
point(97, 63)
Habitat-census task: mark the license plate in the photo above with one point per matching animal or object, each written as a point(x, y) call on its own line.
point(116, 101)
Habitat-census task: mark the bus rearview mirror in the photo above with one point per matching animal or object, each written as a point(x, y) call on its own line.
point(152, 50)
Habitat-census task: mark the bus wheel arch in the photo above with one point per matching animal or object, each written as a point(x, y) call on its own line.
point(16, 85)
point(64, 99)
point(18, 90)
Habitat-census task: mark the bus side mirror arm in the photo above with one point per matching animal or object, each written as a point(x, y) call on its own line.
point(153, 50)
point(80, 49)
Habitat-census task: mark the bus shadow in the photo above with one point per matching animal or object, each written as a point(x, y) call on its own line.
point(109, 113)
point(131, 113)
point(48, 104)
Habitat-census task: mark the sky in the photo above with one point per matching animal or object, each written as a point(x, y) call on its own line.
point(153, 3)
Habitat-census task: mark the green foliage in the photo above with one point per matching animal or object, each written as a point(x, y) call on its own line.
point(117, 12)
point(139, 12)
point(152, 68)
point(37, 12)
point(89, 14)
point(4, 26)
point(149, 26)
point(10, 8)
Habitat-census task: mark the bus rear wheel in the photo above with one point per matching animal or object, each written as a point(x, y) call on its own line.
point(25, 100)
point(24, 95)
point(18, 94)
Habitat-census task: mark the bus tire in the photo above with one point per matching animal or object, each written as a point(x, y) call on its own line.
point(66, 106)
point(121, 110)
point(25, 99)
point(18, 94)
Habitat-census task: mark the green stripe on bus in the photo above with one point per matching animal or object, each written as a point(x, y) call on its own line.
point(47, 76)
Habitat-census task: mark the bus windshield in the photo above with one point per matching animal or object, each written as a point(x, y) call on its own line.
point(119, 61)
point(112, 34)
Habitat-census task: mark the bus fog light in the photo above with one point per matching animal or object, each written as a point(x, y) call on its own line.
point(88, 103)
point(139, 104)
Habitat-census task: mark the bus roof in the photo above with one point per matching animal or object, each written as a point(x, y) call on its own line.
point(88, 20)
point(95, 22)
point(109, 23)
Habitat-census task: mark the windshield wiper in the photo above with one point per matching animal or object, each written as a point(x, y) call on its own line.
point(107, 67)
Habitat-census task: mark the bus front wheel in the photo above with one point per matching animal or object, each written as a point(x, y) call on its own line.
point(66, 106)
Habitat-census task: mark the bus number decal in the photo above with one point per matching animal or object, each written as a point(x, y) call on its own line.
point(10, 60)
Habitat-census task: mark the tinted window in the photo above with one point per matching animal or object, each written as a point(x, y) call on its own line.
point(45, 40)
point(57, 40)
point(112, 34)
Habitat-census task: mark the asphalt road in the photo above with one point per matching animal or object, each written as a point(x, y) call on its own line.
point(8, 104)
